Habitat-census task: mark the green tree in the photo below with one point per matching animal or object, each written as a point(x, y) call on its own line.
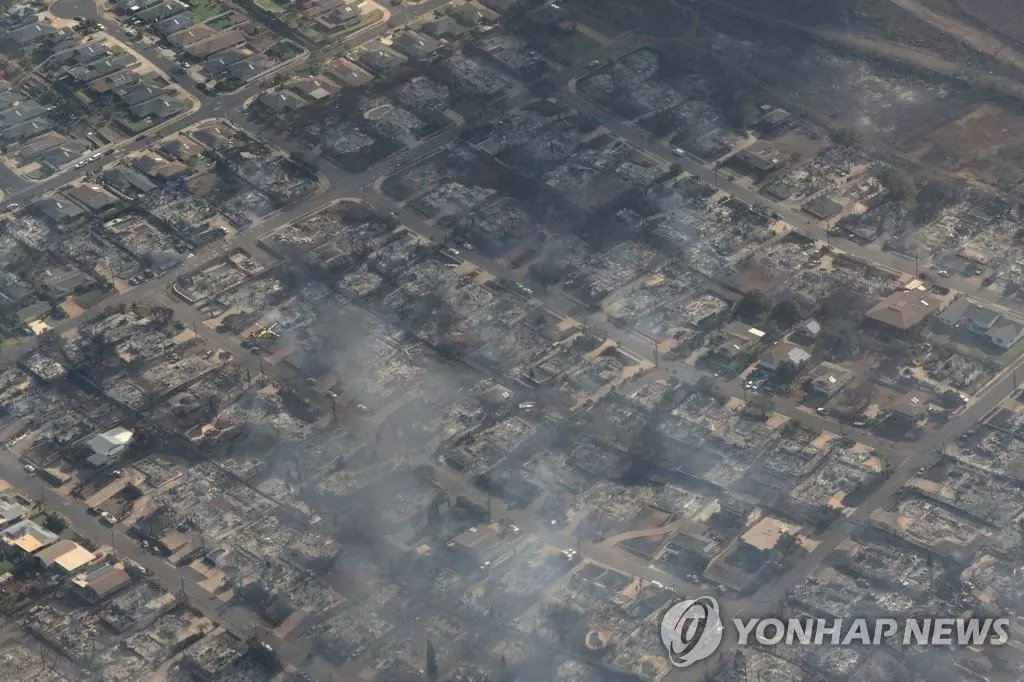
point(786, 313)
point(845, 137)
point(315, 66)
point(787, 373)
point(899, 183)
point(761, 403)
point(950, 400)
point(933, 198)
point(839, 343)
point(752, 306)
point(55, 523)
point(8, 317)
point(431, 662)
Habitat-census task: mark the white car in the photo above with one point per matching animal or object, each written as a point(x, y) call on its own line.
point(80, 164)
point(30, 469)
point(678, 151)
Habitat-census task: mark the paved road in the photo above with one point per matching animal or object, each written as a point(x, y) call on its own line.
point(169, 577)
point(907, 459)
point(229, 106)
point(889, 260)
point(343, 185)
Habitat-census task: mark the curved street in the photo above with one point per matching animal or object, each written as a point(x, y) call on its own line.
point(905, 459)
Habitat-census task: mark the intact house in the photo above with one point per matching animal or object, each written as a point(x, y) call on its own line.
point(27, 537)
point(108, 446)
point(93, 198)
point(828, 378)
point(65, 556)
point(483, 546)
point(415, 45)
point(96, 585)
point(757, 161)
point(59, 210)
point(11, 512)
point(314, 89)
point(911, 409)
point(902, 311)
point(985, 322)
point(738, 339)
point(381, 59)
point(782, 352)
point(822, 208)
point(280, 102)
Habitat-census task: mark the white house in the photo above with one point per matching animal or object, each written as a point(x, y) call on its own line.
point(109, 445)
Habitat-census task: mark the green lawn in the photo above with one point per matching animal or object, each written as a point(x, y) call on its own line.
point(571, 47)
point(221, 23)
point(315, 32)
point(368, 18)
point(272, 6)
point(205, 9)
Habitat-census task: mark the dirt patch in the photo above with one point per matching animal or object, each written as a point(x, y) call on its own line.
point(987, 143)
point(981, 132)
point(71, 308)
